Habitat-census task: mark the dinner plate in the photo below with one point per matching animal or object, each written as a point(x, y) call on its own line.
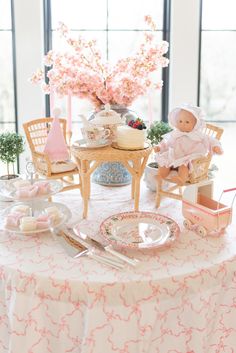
point(114, 145)
point(39, 209)
point(139, 230)
point(9, 191)
point(82, 144)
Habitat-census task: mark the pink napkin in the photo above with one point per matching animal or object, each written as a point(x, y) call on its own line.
point(55, 147)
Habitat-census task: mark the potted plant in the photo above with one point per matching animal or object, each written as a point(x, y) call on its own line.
point(11, 145)
point(154, 134)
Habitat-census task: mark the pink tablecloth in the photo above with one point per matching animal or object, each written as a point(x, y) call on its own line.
point(179, 300)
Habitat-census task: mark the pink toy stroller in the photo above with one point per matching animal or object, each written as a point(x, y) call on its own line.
point(203, 214)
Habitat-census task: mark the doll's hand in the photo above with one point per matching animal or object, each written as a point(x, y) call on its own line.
point(157, 149)
point(217, 150)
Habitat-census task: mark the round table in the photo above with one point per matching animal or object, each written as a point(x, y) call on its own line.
point(89, 159)
point(181, 299)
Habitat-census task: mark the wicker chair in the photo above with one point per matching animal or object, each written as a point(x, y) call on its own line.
point(200, 168)
point(36, 132)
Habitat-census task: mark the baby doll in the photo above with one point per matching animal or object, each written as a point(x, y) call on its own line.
point(185, 143)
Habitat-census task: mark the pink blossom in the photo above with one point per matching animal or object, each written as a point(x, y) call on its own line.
point(37, 76)
point(45, 88)
point(82, 73)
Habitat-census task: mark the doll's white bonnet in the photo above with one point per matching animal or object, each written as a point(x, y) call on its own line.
point(196, 111)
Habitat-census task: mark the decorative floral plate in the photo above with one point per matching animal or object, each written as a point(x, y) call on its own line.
point(39, 209)
point(139, 230)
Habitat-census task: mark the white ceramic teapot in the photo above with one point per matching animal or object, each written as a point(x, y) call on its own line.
point(109, 119)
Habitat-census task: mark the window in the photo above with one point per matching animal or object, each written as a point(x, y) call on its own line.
point(218, 52)
point(117, 26)
point(7, 97)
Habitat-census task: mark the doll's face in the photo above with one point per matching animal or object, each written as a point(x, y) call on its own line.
point(185, 121)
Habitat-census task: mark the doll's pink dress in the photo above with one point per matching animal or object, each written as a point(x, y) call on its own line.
point(180, 148)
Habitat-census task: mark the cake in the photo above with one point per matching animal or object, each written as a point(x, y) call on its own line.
point(132, 136)
point(43, 221)
point(53, 213)
point(27, 192)
point(28, 224)
point(21, 184)
point(12, 220)
point(44, 187)
point(23, 209)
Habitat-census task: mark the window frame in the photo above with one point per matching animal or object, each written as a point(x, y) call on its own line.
point(14, 70)
point(15, 122)
point(13, 62)
point(201, 30)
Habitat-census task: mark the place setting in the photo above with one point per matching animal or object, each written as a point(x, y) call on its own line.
point(124, 231)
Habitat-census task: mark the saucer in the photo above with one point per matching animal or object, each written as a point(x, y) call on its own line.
point(83, 144)
point(115, 145)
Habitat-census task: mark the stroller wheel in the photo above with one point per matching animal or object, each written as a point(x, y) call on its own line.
point(187, 224)
point(201, 231)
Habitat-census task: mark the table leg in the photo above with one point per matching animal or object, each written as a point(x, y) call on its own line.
point(137, 177)
point(133, 185)
point(88, 179)
point(158, 191)
point(86, 187)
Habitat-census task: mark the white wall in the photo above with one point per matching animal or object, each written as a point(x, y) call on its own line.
point(29, 55)
point(184, 51)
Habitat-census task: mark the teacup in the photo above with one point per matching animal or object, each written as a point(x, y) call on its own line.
point(95, 135)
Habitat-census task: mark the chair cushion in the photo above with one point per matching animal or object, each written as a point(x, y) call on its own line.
point(58, 167)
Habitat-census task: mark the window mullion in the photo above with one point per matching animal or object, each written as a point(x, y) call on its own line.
point(165, 72)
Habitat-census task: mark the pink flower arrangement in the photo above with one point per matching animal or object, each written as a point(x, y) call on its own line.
point(82, 73)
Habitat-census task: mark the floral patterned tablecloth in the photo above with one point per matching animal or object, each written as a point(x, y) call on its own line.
point(178, 300)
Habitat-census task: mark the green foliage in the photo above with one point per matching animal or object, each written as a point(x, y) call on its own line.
point(156, 131)
point(11, 145)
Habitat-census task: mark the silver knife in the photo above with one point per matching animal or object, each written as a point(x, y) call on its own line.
point(92, 242)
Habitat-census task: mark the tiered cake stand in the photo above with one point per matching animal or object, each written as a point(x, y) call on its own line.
point(37, 204)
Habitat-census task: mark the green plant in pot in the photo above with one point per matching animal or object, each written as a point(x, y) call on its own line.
point(154, 134)
point(11, 146)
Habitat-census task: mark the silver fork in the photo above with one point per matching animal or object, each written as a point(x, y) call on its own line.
point(101, 259)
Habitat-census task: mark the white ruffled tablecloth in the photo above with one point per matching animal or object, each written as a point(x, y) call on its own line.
point(179, 300)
